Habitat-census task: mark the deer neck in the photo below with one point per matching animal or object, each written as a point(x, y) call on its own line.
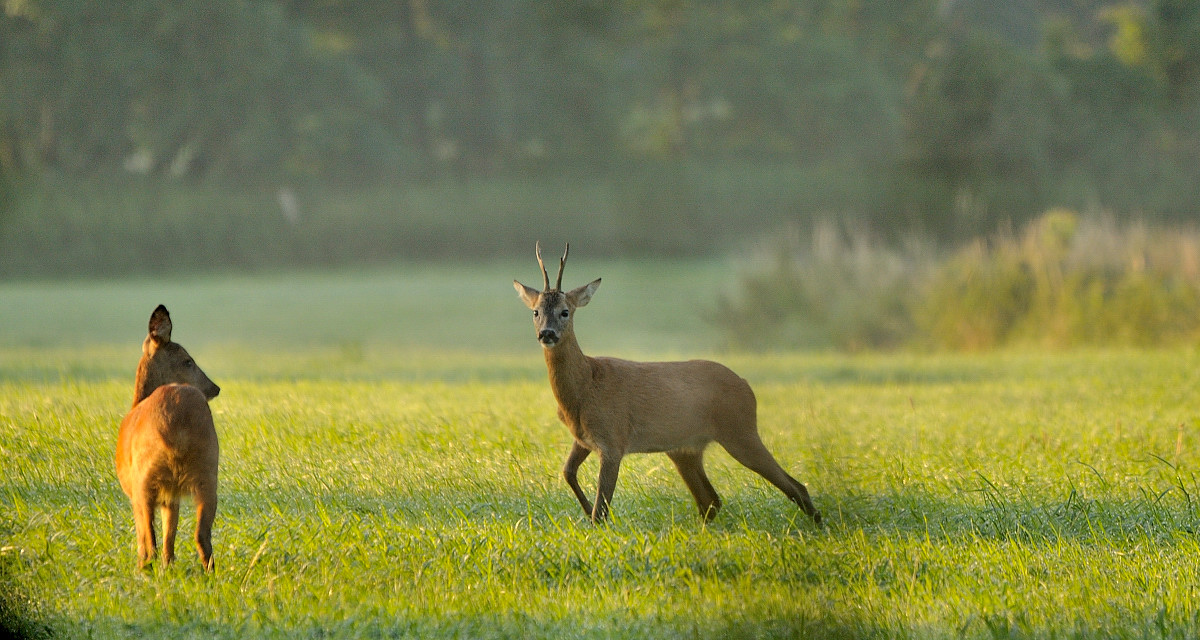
point(570, 373)
point(143, 384)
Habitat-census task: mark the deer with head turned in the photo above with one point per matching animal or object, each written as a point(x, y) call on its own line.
point(615, 407)
point(167, 445)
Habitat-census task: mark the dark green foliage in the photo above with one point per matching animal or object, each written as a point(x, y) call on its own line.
point(226, 88)
point(699, 123)
point(981, 140)
point(128, 224)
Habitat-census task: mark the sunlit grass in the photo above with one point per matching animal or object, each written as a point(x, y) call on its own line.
point(391, 468)
point(986, 496)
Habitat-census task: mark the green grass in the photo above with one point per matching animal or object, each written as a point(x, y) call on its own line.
point(388, 486)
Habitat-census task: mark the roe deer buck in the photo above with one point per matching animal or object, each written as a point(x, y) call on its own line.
point(167, 445)
point(616, 407)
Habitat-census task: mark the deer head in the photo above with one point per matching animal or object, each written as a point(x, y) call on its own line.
point(166, 362)
point(554, 309)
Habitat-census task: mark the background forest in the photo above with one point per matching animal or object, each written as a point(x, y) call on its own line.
point(227, 135)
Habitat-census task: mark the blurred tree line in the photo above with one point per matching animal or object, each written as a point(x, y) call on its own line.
point(947, 116)
point(356, 89)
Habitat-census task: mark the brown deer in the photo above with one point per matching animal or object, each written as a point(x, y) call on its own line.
point(167, 445)
point(616, 407)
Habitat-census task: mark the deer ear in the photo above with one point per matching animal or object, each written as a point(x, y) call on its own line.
point(528, 294)
point(160, 326)
point(583, 295)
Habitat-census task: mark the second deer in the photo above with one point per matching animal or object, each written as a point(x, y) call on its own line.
point(167, 445)
point(615, 407)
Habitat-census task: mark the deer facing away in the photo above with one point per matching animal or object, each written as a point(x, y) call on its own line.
point(615, 407)
point(167, 445)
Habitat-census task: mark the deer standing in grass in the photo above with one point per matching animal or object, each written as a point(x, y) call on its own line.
point(167, 445)
point(616, 407)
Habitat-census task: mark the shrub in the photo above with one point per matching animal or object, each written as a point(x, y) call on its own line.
point(835, 287)
point(1064, 282)
point(1061, 282)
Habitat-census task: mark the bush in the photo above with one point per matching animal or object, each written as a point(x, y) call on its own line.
point(1061, 282)
point(1064, 283)
point(834, 288)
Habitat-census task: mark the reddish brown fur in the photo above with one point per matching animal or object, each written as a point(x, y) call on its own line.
point(616, 407)
point(167, 444)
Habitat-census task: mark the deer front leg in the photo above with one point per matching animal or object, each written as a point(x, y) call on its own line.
point(610, 466)
point(578, 454)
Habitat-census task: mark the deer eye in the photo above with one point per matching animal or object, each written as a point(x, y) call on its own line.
point(535, 313)
point(565, 313)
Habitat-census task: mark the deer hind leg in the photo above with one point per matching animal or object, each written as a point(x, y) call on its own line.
point(143, 522)
point(206, 512)
point(691, 466)
point(751, 452)
point(170, 523)
point(578, 454)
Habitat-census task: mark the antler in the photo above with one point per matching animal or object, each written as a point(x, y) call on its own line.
point(562, 262)
point(537, 248)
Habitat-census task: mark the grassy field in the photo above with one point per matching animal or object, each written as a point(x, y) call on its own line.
point(390, 468)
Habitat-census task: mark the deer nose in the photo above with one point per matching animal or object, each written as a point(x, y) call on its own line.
point(213, 392)
point(547, 336)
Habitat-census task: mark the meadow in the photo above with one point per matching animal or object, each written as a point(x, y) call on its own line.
point(391, 468)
